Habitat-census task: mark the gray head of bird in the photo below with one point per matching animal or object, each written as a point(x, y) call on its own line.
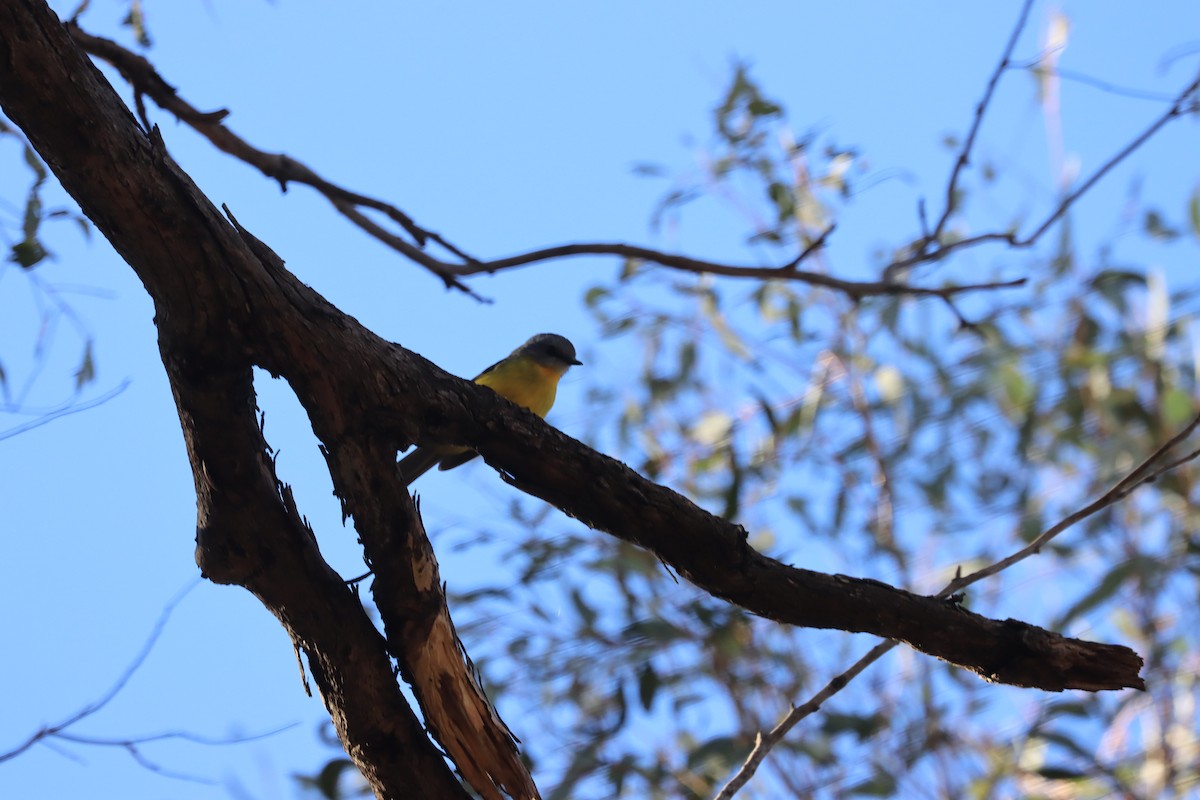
point(550, 350)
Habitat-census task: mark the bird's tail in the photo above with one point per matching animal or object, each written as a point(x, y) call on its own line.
point(417, 463)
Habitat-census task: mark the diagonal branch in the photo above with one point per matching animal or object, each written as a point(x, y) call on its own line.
point(236, 307)
point(409, 592)
point(1148, 471)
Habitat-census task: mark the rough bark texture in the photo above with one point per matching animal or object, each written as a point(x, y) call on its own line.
point(224, 303)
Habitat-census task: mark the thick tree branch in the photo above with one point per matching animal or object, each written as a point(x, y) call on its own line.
point(224, 304)
point(350, 381)
point(408, 588)
point(191, 262)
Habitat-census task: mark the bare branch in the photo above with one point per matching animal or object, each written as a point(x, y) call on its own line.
point(58, 730)
point(764, 743)
point(1177, 109)
point(855, 290)
point(1147, 472)
point(64, 410)
point(145, 80)
point(922, 254)
point(964, 157)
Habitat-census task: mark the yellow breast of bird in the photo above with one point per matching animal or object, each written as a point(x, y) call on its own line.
point(524, 382)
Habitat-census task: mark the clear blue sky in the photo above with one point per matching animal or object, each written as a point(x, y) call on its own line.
point(505, 127)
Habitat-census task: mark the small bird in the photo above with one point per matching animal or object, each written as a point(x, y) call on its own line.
point(528, 376)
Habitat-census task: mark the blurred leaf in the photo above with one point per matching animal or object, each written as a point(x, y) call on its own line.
point(648, 685)
point(881, 784)
point(713, 428)
point(742, 98)
point(136, 19)
point(722, 751)
point(890, 383)
point(863, 726)
point(28, 254)
point(1106, 589)
point(86, 373)
point(594, 296)
point(1057, 33)
point(781, 196)
point(1177, 407)
point(835, 177)
point(326, 782)
point(586, 613)
point(1156, 226)
point(1114, 285)
point(648, 170)
point(1194, 212)
point(1018, 391)
point(658, 631)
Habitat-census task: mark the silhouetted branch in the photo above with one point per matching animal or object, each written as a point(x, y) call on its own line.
point(145, 80)
point(59, 732)
point(764, 743)
point(964, 157)
point(1184, 102)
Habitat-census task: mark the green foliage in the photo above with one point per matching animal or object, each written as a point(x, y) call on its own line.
point(887, 438)
point(135, 20)
point(30, 254)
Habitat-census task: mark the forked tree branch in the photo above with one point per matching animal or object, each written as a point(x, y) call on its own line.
point(224, 305)
point(62, 731)
point(929, 249)
point(964, 156)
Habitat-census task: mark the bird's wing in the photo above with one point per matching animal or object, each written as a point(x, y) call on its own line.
point(489, 369)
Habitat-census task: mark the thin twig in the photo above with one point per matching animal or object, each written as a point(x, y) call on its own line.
point(922, 255)
point(1176, 109)
point(92, 708)
point(764, 743)
point(964, 156)
point(853, 289)
point(1097, 83)
point(145, 80)
point(1146, 472)
point(71, 408)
